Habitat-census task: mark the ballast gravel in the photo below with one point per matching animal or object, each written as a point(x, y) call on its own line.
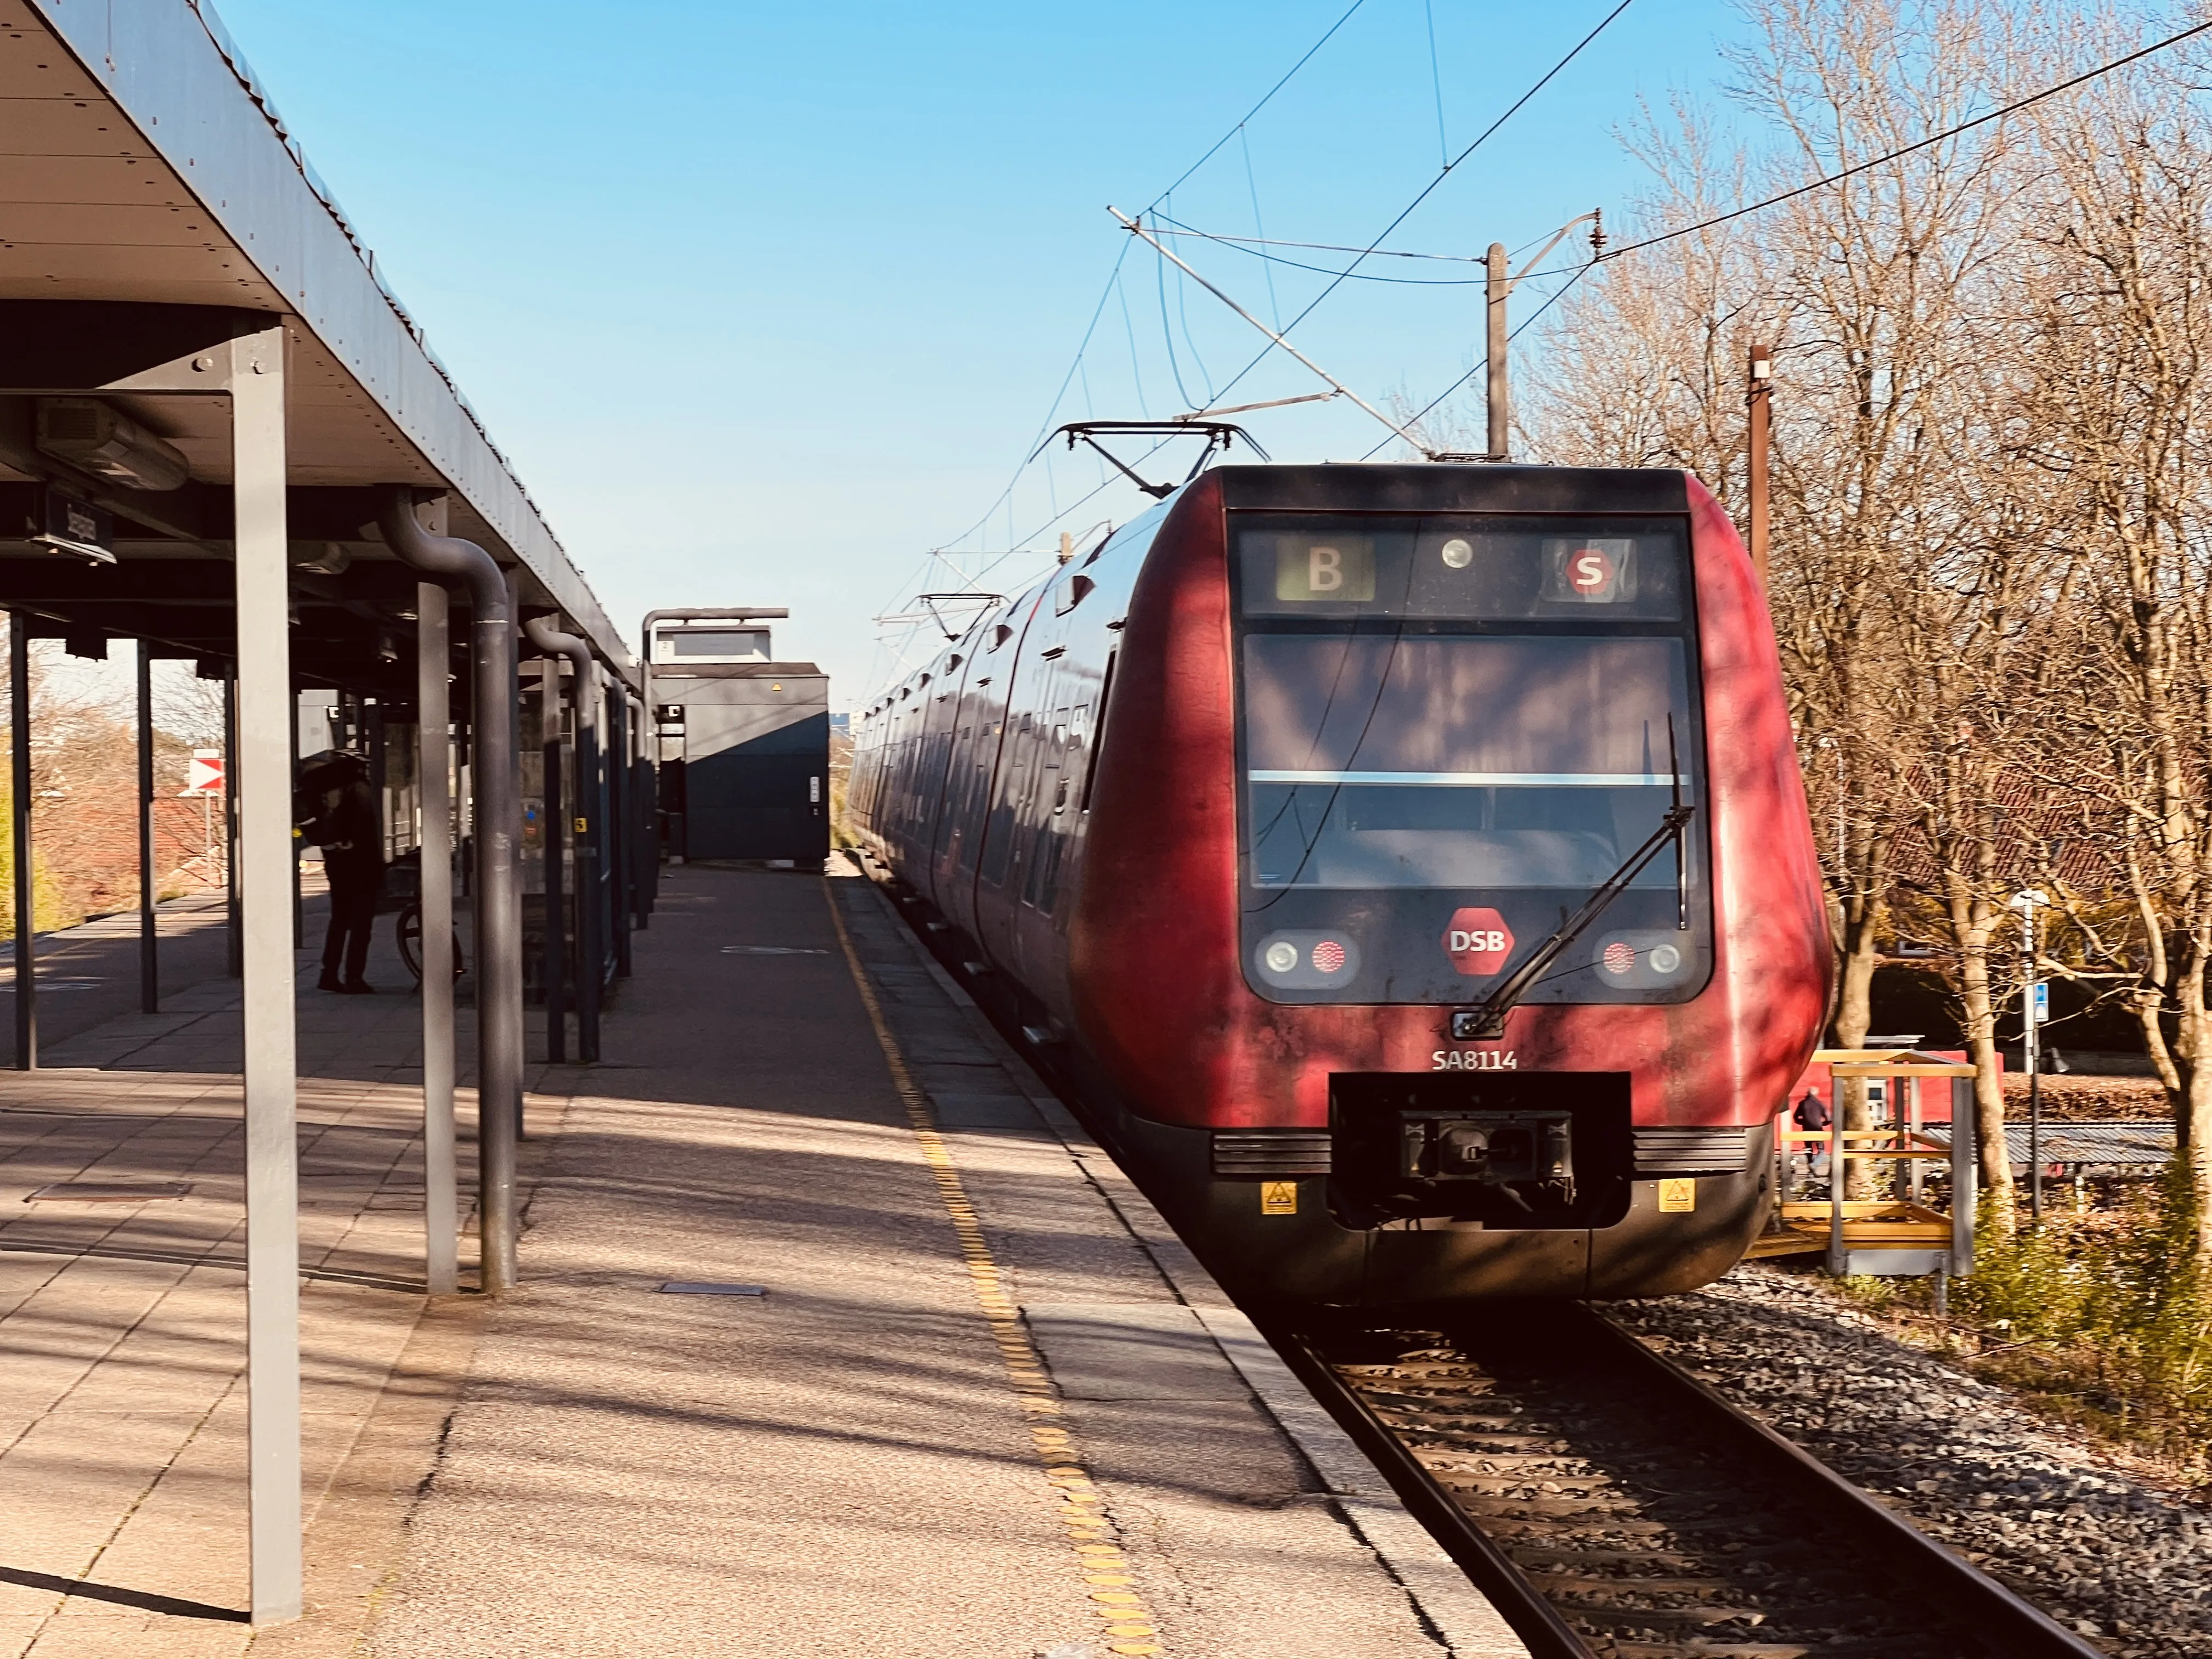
point(2126, 1565)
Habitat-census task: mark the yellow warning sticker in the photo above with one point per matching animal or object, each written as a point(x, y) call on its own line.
point(1677, 1194)
point(1279, 1198)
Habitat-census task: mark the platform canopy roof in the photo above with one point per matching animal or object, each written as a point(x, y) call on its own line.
point(154, 203)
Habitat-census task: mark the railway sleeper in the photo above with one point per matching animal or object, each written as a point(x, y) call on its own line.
point(1497, 1445)
point(1520, 1486)
point(1580, 1582)
point(1486, 1509)
point(1528, 1555)
point(1549, 1465)
point(1626, 1618)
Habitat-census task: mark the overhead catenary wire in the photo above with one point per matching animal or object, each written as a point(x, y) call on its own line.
point(1136, 372)
point(1436, 81)
point(1810, 186)
point(1274, 337)
point(1114, 278)
point(1423, 195)
point(1167, 336)
point(1112, 281)
point(1251, 246)
point(1837, 177)
point(1214, 149)
point(1252, 188)
point(1182, 229)
point(1429, 408)
point(1336, 278)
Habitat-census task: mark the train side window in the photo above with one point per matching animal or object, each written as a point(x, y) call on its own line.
point(1071, 593)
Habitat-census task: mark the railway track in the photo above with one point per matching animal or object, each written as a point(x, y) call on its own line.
point(1614, 1507)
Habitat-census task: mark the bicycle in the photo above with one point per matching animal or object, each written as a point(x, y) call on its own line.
point(407, 926)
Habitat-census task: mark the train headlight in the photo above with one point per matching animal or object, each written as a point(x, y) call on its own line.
point(1306, 959)
point(1642, 958)
point(1457, 554)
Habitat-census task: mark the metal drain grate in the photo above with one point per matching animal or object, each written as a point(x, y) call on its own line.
point(705, 1287)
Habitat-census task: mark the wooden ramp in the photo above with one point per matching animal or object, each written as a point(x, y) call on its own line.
point(1868, 1224)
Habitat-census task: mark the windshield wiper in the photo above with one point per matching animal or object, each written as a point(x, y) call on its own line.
point(1488, 1021)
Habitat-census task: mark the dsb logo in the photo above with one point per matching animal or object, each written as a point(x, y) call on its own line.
point(1478, 942)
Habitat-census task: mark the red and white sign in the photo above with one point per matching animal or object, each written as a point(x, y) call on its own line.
point(204, 776)
point(1478, 942)
point(1599, 571)
point(1592, 572)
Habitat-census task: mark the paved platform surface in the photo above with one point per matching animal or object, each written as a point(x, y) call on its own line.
point(88, 975)
point(987, 1405)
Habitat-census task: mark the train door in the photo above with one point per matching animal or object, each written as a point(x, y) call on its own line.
point(1041, 834)
point(1014, 667)
point(940, 714)
point(1038, 836)
point(907, 770)
point(975, 730)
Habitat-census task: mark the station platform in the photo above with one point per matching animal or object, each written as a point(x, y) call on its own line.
point(836, 1336)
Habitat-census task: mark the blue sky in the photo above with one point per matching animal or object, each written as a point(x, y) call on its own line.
point(765, 303)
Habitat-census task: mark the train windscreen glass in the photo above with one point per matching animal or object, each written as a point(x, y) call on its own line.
point(1453, 731)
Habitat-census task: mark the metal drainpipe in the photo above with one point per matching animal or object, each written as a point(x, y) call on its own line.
point(591, 946)
point(497, 829)
point(622, 824)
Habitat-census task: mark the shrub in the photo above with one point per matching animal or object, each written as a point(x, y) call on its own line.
point(2105, 1316)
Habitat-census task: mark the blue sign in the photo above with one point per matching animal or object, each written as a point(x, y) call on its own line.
point(2042, 1001)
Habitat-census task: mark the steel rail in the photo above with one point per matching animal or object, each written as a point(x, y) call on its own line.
point(2006, 1623)
point(2015, 1626)
point(2010, 1624)
point(1518, 1602)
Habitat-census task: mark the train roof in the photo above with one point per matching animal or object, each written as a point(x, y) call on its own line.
point(1434, 487)
point(1383, 487)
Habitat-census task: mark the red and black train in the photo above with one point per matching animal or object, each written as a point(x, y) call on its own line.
point(1406, 867)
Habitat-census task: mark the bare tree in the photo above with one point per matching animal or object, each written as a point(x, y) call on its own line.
point(2120, 286)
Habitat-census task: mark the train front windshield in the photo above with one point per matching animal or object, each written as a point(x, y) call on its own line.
point(1453, 730)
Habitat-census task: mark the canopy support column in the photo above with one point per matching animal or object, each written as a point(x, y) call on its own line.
point(553, 970)
point(149, 949)
point(19, 725)
point(589, 824)
point(234, 964)
point(495, 825)
point(260, 782)
point(441, 1196)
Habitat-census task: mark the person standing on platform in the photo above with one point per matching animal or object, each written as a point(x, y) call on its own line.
point(344, 822)
point(1812, 1113)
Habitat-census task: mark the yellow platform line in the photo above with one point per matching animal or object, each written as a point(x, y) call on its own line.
point(1124, 1620)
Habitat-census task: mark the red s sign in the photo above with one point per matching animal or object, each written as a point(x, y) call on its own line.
point(1478, 941)
point(1589, 570)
